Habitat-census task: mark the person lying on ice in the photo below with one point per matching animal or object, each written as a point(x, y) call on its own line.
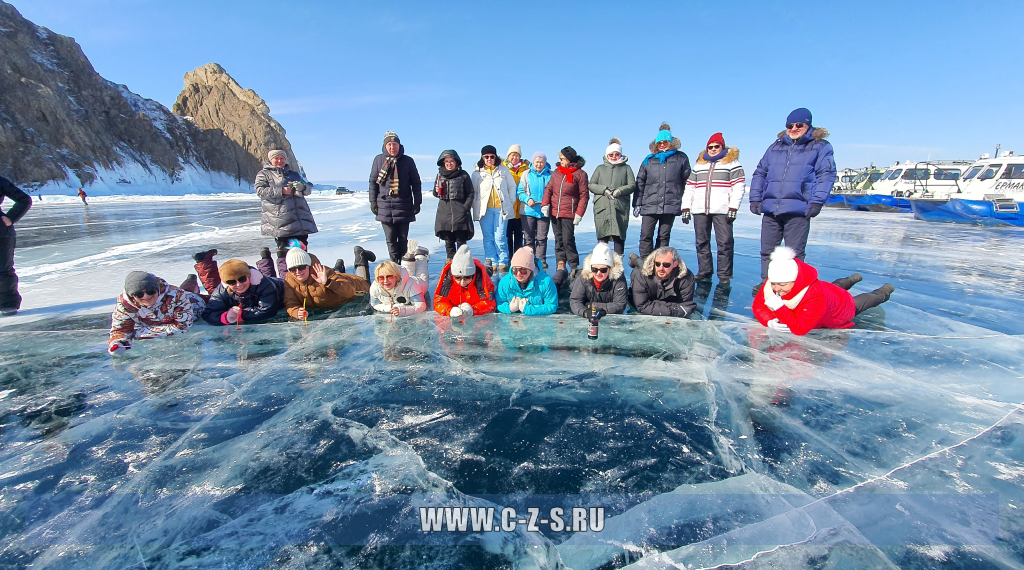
point(527, 289)
point(402, 290)
point(663, 286)
point(150, 308)
point(309, 285)
point(600, 285)
point(465, 288)
point(244, 295)
point(794, 300)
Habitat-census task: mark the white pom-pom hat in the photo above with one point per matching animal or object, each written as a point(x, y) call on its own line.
point(782, 268)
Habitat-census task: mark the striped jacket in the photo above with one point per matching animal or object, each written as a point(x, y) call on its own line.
point(715, 187)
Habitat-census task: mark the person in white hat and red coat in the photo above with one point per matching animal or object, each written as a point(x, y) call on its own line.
point(794, 300)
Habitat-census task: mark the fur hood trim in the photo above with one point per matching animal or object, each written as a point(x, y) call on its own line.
point(819, 133)
point(676, 145)
point(648, 268)
point(732, 156)
point(624, 160)
point(616, 272)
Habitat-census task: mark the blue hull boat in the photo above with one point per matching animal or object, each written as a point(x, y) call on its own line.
point(878, 203)
point(1001, 212)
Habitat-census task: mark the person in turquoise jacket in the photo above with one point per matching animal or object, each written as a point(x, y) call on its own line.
point(530, 193)
point(526, 289)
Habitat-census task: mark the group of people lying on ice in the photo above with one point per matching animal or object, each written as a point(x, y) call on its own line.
point(792, 298)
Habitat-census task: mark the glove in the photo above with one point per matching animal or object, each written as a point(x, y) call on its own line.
point(504, 216)
point(467, 309)
point(299, 187)
point(513, 305)
point(232, 315)
point(373, 208)
point(685, 216)
point(755, 208)
point(773, 302)
point(774, 324)
point(636, 212)
point(615, 193)
point(545, 211)
point(813, 210)
point(577, 219)
point(732, 215)
point(415, 209)
point(117, 349)
point(608, 193)
point(455, 313)
point(589, 313)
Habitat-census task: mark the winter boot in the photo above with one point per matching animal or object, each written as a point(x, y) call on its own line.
point(266, 264)
point(887, 289)
point(361, 263)
point(206, 267)
point(282, 261)
point(190, 284)
point(204, 255)
point(502, 269)
point(544, 265)
point(857, 278)
point(423, 263)
point(339, 266)
point(409, 259)
point(560, 266)
point(634, 261)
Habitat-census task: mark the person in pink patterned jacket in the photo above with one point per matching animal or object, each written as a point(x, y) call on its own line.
point(150, 308)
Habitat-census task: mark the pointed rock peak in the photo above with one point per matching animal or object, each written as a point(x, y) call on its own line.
point(212, 75)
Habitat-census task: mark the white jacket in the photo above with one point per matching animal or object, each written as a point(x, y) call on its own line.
point(411, 288)
point(715, 187)
point(502, 180)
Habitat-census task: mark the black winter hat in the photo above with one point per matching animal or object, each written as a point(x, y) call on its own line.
point(570, 154)
point(450, 153)
point(488, 149)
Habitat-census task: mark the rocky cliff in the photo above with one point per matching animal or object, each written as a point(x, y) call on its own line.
point(63, 126)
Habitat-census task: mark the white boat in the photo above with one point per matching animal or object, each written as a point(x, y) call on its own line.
point(992, 191)
point(899, 183)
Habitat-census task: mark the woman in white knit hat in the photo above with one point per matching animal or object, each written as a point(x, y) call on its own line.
point(601, 284)
point(309, 285)
point(612, 183)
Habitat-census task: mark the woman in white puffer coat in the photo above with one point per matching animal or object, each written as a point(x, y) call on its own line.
point(713, 194)
point(402, 290)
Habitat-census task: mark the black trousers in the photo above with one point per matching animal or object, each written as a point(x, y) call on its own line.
point(618, 244)
point(452, 241)
point(536, 236)
point(664, 224)
point(864, 301)
point(514, 234)
point(793, 228)
point(397, 237)
point(565, 241)
point(702, 226)
point(9, 297)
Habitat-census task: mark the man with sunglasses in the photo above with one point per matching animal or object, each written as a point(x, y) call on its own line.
point(790, 186)
point(150, 308)
point(713, 194)
point(601, 284)
point(527, 289)
point(664, 286)
point(243, 296)
point(309, 285)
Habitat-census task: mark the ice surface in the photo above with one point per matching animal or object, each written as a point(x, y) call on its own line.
point(709, 443)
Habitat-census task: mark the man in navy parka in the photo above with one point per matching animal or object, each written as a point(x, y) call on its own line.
point(791, 184)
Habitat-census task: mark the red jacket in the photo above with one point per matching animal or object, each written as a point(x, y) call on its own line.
point(821, 304)
point(567, 199)
point(479, 294)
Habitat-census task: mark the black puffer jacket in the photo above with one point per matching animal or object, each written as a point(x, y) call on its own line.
point(261, 301)
point(613, 296)
point(672, 297)
point(660, 185)
point(455, 199)
point(283, 215)
point(402, 207)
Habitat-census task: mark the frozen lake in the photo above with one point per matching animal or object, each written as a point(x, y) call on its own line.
point(709, 443)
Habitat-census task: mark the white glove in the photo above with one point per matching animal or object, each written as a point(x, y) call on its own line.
point(467, 309)
point(522, 304)
point(773, 301)
point(232, 315)
point(545, 211)
point(774, 324)
point(513, 305)
point(608, 193)
point(117, 349)
point(577, 219)
point(455, 313)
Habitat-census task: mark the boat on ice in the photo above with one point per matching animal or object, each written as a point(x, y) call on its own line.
point(864, 181)
point(992, 192)
point(901, 182)
point(843, 185)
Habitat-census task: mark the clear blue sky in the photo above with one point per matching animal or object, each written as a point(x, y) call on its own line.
point(890, 81)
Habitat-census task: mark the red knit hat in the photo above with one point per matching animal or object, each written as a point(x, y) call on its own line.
point(718, 138)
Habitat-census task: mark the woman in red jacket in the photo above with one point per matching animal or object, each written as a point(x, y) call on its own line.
point(465, 288)
point(794, 300)
point(565, 200)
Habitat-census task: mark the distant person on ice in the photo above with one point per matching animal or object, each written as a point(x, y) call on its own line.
point(601, 284)
point(402, 289)
point(527, 289)
point(713, 195)
point(285, 214)
point(10, 300)
point(791, 184)
point(465, 288)
point(663, 286)
point(794, 300)
point(82, 195)
point(150, 308)
point(309, 285)
point(395, 194)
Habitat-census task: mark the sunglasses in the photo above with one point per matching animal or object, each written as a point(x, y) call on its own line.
point(666, 264)
point(518, 270)
point(601, 269)
point(463, 277)
point(714, 146)
point(298, 268)
point(791, 126)
point(233, 282)
point(144, 293)
point(383, 278)
point(490, 157)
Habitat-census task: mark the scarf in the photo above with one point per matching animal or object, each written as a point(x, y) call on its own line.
point(661, 156)
point(717, 157)
point(622, 158)
point(567, 171)
point(789, 303)
point(387, 169)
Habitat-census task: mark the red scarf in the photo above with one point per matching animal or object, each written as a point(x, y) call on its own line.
point(567, 171)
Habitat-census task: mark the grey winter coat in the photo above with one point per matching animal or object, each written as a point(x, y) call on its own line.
point(660, 186)
point(672, 297)
point(455, 199)
point(283, 215)
point(611, 215)
point(401, 208)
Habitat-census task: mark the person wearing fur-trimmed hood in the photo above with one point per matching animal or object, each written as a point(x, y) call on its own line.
point(150, 308)
point(664, 286)
point(285, 214)
point(713, 194)
point(791, 184)
point(794, 300)
point(612, 184)
point(601, 284)
point(660, 184)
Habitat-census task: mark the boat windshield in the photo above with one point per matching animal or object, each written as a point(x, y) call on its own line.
point(973, 172)
point(947, 173)
point(876, 176)
point(895, 174)
point(1013, 172)
point(990, 172)
point(916, 174)
point(861, 178)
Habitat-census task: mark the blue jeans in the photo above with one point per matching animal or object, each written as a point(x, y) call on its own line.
point(492, 226)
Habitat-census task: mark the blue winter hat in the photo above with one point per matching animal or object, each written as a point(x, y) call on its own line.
point(663, 135)
point(800, 115)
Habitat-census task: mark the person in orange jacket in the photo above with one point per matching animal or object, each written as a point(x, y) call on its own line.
point(465, 288)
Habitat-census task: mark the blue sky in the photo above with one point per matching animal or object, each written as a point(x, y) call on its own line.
point(890, 81)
